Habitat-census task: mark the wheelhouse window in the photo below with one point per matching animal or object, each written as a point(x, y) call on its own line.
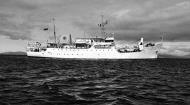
point(109, 40)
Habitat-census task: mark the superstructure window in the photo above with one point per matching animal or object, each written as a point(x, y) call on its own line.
point(102, 46)
point(109, 40)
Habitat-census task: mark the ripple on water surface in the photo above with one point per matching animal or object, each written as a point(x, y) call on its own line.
point(45, 81)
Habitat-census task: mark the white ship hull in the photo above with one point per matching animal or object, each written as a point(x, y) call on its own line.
point(92, 53)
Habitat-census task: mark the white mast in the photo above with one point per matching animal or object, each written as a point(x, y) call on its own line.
point(102, 24)
point(54, 30)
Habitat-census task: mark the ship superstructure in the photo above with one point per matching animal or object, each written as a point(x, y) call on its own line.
point(92, 48)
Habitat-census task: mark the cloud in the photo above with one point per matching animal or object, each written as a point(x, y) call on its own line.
point(18, 19)
point(178, 49)
point(13, 27)
point(148, 20)
point(8, 45)
point(15, 35)
point(128, 19)
point(173, 20)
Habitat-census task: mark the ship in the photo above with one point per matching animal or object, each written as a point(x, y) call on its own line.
point(93, 48)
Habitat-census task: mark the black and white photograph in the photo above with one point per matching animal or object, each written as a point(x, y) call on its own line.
point(94, 52)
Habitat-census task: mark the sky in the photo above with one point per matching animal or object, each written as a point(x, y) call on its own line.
point(23, 20)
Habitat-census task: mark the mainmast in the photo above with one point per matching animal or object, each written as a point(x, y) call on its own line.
point(54, 30)
point(102, 28)
point(70, 39)
point(102, 24)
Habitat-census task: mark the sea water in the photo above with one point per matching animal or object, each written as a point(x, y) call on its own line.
point(46, 81)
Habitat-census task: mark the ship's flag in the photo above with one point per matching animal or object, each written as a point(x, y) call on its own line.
point(45, 29)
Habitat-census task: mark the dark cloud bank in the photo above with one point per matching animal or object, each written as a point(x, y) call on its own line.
point(128, 19)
